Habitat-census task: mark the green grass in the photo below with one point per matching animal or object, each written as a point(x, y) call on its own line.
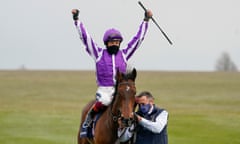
point(39, 107)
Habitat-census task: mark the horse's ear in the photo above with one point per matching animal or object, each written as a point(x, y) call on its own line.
point(134, 74)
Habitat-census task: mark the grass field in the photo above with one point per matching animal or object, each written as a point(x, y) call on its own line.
point(44, 107)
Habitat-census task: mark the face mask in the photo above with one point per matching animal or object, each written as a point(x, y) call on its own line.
point(112, 49)
point(145, 108)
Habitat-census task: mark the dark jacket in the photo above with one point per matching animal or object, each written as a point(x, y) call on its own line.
point(144, 136)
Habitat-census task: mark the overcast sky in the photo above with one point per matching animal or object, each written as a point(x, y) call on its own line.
point(40, 34)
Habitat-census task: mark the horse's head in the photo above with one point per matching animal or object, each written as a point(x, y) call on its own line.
point(124, 99)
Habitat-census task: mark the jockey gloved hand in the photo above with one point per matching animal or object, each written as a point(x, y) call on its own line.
point(75, 13)
point(147, 15)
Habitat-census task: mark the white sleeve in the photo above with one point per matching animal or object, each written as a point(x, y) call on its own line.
point(158, 125)
point(90, 46)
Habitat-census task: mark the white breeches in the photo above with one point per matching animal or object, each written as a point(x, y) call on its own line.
point(105, 95)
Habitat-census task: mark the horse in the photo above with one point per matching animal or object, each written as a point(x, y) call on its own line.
point(118, 115)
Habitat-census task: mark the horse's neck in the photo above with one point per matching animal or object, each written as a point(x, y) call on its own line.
point(106, 128)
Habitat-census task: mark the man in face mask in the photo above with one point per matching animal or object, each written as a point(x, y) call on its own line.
point(112, 39)
point(113, 47)
point(107, 61)
point(152, 121)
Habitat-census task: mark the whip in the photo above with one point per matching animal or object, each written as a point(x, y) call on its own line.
point(170, 42)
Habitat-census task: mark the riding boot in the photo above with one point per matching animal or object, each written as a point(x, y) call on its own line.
point(86, 126)
point(89, 118)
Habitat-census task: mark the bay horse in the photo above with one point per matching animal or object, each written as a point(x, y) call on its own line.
point(118, 115)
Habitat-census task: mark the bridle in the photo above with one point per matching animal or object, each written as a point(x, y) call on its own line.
point(126, 122)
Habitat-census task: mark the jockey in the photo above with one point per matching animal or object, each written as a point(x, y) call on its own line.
point(108, 60)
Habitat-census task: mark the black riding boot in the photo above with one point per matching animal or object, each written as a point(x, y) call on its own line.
point(85, 130)
point(89, 118)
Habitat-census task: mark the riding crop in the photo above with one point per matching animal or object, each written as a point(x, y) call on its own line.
point(156, 24)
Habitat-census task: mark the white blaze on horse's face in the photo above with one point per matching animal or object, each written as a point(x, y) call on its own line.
point(127, 88)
